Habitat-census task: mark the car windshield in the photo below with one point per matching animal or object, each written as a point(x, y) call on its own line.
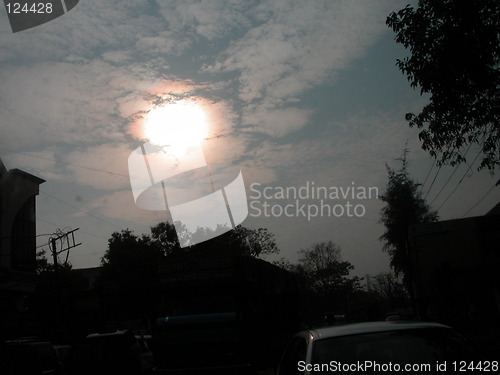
point(409, 346)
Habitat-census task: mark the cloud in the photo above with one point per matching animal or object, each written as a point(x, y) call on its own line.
point(90, 167)
point(163, 43)
point(354, 149)
point(90, 28)
point(210, 19)
point(75, 103)
point(275, 122)
point(115, 52)
point(42, 164)
point(296, 46)
point(299, 44)
point(60, 102)
point(120, 205)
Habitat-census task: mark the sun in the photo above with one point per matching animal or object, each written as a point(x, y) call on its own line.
point(178, 126)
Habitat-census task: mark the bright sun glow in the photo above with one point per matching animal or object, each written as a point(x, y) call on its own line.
point(179, 126)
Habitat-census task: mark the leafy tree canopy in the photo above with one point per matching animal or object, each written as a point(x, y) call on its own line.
point(254, 242)
point(68, 279)
point(130, 263)
point(455, 57)
point(387, 286)
point(404, 206)
point(324, 269)
point(127, 250)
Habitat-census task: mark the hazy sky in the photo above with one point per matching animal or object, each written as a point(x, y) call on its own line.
point(296, 93)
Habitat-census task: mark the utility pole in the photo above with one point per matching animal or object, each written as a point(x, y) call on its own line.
point(67, 242)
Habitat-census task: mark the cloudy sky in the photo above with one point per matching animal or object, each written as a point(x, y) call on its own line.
point(295, 94)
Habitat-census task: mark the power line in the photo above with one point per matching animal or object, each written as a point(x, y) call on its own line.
point(94, 252)
point(94, 235)
point(484, 196)
point(434, 180)
point(446, 183)
point(46, 221)
point(36, 236)
point(82, 232)
point(81, 210)
point(428, 174)
point(66, 163)
point(449, 178)
point(459, 182)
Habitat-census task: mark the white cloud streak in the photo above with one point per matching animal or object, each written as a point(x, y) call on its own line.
point(296, 46)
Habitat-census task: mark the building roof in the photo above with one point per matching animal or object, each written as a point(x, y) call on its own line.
point(2, 167)
point(91, 274)
point(19, 173)
point(27, 176)
point(494, 211)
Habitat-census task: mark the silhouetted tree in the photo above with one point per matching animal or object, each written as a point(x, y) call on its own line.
point(391, 292)
point(238, 241)
point(41, 262)
point(285, 264)
point(125, 249)
point(455, 57)
point(325, 272)
point(387, 286)
point(129, 268)
point(45, 269)
point(53, 297)
point(404, 206)
point(253, 242)
point(164, 238)
point(131, 262)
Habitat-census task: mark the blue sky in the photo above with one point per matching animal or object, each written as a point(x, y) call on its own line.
point(296, 92)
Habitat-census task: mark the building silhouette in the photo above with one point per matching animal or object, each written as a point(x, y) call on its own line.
point(18, 191)
point(455, 265)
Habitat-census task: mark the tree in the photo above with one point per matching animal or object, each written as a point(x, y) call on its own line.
point(253, 242)
point(327, 274)
point(129, 268)
point(41, 262)
point(125, 249)
point(387, 286)
point(130, 263)
point(404, 206)
point(44, 269)
point(455, 57)
point(238, 241)
point(53, 299)
point(164, 238)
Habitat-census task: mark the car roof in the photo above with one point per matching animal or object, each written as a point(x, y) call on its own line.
point(107, 334)
point(370, 327)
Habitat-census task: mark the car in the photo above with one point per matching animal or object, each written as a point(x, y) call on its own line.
point(62, 354)
point(201, 344)
point(377, 347)
point(122, 352)
point(30, 356)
